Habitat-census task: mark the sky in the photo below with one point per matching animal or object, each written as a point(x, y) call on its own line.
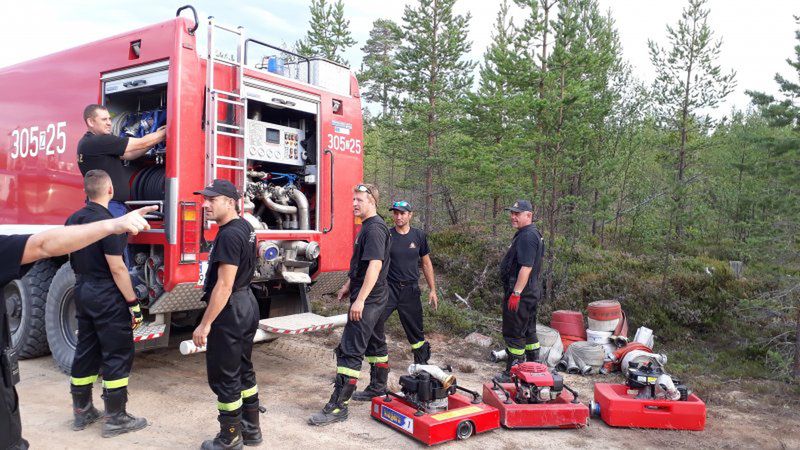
point(757, 37)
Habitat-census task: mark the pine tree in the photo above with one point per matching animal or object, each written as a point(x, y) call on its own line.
point(785, 113)
point(329, 33)
point(435, 78)
point(688, 80)
point(379, 76)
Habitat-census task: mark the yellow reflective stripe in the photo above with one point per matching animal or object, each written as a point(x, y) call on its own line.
point(516, 351)
point(136, 308)
point(417, 345)
point(232, 406)
point(250, 392)
point(83, 381)
point(113, 384)
point(532, 346)
point(348, 372)
point(377, 359)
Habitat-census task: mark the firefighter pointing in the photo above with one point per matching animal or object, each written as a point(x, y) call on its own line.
point(107, 311)
point(230, 321)
point(519, 271)
point(363, 334)
point(19, 252)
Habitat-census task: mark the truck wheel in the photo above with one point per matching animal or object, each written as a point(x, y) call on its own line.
point(25, 303)
point(464, 430)
point(62, 326)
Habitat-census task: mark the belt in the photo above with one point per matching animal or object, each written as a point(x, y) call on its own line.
point(404, 283)
point(80, 278)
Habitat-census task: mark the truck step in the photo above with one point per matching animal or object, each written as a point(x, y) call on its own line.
point(301, 323)
point(149, 331)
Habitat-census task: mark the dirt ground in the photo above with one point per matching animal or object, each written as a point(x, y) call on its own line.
point(295, 376)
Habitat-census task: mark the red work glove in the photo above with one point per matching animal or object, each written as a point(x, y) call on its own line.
point(513, 302)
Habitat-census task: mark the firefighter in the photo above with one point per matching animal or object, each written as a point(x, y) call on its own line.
point(108, 311)
point(19, 252)
point(519, 271)
point(409, 246)
point(230, 320)
point(99, 149)
point(363, 334)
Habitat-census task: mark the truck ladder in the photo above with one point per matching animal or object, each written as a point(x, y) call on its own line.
point(236, 102)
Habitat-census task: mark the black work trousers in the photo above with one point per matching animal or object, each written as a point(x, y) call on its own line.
point(405, 298)
point(363, 338)
point(519, 327)
point(105, 338)
point(10, 422)
point(229, 349)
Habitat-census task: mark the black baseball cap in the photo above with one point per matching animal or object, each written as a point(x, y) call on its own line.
point(219, 187)
point(402, 205)
point(520, 206)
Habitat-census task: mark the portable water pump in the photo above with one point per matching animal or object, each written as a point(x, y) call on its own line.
point(536, 399)
point(429, 409)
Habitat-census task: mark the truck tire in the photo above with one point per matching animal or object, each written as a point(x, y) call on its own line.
point(25, 301)
point(60, 321)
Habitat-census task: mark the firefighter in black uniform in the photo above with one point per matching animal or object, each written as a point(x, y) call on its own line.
point(363, 334)
point(519, 272)
point(19, 252)
point(409, 246)
point(230, 320)
point(99, 149)
point(107, 311)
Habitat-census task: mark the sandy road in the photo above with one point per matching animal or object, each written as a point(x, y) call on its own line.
point(295, 376)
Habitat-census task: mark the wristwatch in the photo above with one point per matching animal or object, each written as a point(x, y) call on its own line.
point(517, 292)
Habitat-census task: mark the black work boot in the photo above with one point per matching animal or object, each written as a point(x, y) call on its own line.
point(532, 355)
point(422, 354)
point(336, 408)
point(378, 377)
point(511, 361)
point(230, 432)
point(82, 408)
point(251, 428)
point(116, 420)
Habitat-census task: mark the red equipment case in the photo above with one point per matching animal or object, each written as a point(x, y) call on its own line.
point(462, 419)
point(617, 408)
point(559, 413)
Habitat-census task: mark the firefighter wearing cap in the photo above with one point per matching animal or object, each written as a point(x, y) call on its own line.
point(105, 305)
point(230, 320)
point(409, 246)
point(519, 271)
point(363, 334)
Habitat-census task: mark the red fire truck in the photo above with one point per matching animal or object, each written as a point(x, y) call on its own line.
point(286, 129)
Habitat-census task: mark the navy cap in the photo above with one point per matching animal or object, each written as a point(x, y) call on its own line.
point(520, 206)
point(402, 205)
point(220, 187)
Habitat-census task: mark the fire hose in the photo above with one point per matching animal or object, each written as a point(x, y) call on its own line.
point(582, 358)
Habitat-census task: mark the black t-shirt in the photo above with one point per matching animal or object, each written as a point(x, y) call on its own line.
point(11, 247)
point(236, 245)
point(406, 251)
point(91, 260)
point(372, 243)
point(103, 151)
point(527, 249)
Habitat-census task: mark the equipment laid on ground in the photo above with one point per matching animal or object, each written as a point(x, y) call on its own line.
point(537, 398)
point(650, 398)
point(582, 358)
point(429, 409)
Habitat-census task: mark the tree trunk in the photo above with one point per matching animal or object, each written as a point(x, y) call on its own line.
point(538, 158)
point(495, 206)
point(679, 194)
point(796, 368)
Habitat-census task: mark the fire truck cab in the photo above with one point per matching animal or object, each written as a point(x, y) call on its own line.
point(284, 128)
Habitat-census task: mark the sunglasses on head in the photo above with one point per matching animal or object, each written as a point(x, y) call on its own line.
point(402, 204)
point(364, 188)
